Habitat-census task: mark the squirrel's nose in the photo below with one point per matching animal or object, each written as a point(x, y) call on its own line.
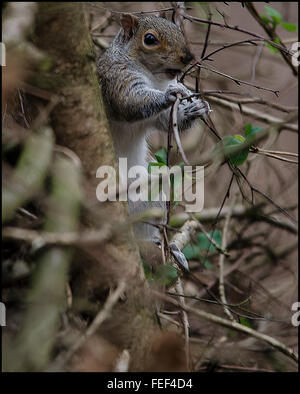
point(187, 58)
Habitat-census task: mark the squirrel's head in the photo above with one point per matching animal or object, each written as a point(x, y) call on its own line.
point(158, 44)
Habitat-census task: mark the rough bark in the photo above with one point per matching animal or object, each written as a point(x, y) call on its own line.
point(79, 123)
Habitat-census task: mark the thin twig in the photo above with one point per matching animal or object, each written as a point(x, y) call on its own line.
point(239, 81)
point(196, 298)
point(197, 80)
point(166, 317)
point(206, 39)
point(232, 44)
point(104, 313)
point(181, 239)
point(185, 321)
point(236, 28)
point(285, 41)
point(254, 189)
point(22, 109)
point(276, 152)
point(219, 212)
point(255, 61)
point(219, 248)
point(264, 117)
point(238, 305)
point(174, 123)
point(233, 325)
point(50, 238)
point(274, 156)
point(133, 12)
point(244, 369)
point(249, 100)
point(222, 258)
point(271, 33)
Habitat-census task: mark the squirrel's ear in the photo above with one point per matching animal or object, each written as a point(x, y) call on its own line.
point(129, 23)
point(162, 14)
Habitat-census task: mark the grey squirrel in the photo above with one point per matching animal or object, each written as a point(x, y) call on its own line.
point(138, 81)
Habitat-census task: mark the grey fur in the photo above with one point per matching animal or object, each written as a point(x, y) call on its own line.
point(138, 95)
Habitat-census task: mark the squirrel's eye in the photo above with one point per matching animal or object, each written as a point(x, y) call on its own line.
point(150, 39)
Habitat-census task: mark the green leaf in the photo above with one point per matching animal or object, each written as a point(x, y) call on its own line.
point(245, 322)
point(251, 131)
point(239, 158)
point(147, 269)
point(165, 274)
point(235, 158)
point(161, 156)
point(175, 205)
point(204, 243)
point(265, 19)
point(239, 138)
point(272, 13)
point(191, 251)
point(272, 49)
point(289, 26)
point(153, 164)
point(176, 182)
point(207, 264)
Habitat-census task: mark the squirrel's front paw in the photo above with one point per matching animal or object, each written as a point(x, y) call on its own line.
point(172, 92)
point(179, 257)
point(196, 109)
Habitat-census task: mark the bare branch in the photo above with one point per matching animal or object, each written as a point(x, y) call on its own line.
point(222, 258)
point(174, 122)
point(238, 81)
point(251, 8)
point(236, 28)
point(102, 315)
point(264, 117)
point(233, 325)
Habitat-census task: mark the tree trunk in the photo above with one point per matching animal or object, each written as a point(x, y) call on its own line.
point(79, 123)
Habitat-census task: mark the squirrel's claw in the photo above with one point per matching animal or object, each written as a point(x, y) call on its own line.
point(179, 257)
point(197, 108)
